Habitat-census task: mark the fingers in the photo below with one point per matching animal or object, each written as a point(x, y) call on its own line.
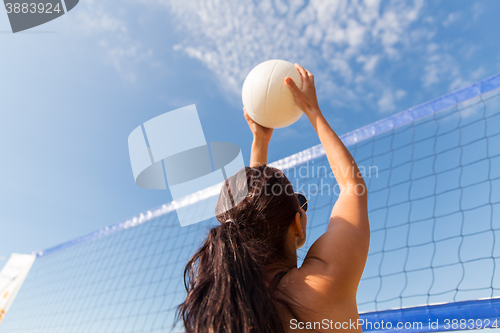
point(307, 77)
point(293, 87)
point(297, 93)
point(247, 117)
point(302, 71)
point(310, 76)
point(245, 112)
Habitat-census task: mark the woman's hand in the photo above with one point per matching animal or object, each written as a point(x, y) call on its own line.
point(260, 133)
point(306, 97)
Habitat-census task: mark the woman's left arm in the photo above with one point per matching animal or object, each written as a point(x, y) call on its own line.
point(261, 137)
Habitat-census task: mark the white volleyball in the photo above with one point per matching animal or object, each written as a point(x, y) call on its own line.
point(267, 98)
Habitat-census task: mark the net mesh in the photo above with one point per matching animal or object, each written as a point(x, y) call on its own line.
point(434, 205)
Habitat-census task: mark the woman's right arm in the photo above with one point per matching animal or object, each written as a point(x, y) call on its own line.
point(342, 250)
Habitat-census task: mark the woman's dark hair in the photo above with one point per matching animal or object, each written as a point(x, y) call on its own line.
point(228, 287)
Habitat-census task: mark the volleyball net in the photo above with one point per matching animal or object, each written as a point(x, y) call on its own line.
point(433, 177)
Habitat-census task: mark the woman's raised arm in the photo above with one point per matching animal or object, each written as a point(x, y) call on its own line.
point(261, 137)
point(342, 250)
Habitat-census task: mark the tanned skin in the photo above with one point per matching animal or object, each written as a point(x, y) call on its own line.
point(326, 283)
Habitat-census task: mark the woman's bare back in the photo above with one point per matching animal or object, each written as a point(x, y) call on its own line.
point(321, 309)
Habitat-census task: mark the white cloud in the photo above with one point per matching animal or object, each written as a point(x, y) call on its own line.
point(477, 10)
point(441, 66)
point(459, 81)
point(386, 103)
point(478, 74)
point(338, 37)
point(369, 61)
point(95, 20)
point(452, 18)
point(344, 43)
point(400, 93)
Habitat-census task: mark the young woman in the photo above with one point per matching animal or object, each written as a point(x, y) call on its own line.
point(245, 278)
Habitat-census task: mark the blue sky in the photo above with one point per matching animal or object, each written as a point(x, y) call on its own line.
point(72, 90)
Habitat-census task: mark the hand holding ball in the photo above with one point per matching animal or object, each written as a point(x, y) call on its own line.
point(267, 98)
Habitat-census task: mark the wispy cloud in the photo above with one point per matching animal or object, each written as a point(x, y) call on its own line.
point(452, 18)
point(352, 47)
point(440, 66)
point(342, 42)
point(386, 103)
point(97, 20)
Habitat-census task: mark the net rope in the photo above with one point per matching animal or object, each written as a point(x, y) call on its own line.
point(434, 203)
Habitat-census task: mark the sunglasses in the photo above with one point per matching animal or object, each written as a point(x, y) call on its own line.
point(303, 202)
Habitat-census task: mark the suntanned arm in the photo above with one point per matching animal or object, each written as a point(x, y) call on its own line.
point(339, 255)
point(261, 137)
point(258, 155)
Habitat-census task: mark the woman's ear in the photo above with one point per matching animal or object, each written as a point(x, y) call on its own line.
point(298, 225)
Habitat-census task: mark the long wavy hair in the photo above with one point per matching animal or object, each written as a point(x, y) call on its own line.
point(228, 287)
